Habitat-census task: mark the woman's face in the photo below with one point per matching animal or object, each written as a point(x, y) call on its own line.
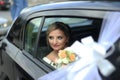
point(57, 40)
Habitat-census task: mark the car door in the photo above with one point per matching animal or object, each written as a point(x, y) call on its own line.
point(18, 48)
point(26, 56)
point(9, 49)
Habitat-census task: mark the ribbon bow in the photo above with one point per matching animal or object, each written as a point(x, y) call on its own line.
point(94, 53)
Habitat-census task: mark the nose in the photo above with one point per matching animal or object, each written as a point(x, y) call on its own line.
point(55, 41)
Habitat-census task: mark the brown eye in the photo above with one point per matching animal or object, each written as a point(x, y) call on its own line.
point(50, 37)
point(60, 37)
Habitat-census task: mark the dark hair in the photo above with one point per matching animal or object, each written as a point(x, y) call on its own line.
point(59, 25)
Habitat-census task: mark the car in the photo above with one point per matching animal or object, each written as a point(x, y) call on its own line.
point(3, 26)
point(5, 4)
point(24, 45)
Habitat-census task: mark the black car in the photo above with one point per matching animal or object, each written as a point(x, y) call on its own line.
point(5, 4)
point(24, 46)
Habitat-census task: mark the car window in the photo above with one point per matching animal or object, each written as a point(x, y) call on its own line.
point(31, 32)
point(80, 27)
point(15, 34)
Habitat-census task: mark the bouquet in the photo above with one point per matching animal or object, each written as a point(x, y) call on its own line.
point(66, 56)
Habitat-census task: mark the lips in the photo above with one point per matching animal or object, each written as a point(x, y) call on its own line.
point(55, 46)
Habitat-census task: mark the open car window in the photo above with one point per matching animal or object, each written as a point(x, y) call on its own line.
point(80, 27)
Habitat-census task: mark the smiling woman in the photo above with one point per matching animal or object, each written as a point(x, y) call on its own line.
point(58, 35)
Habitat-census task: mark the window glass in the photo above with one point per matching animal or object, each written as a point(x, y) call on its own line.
point(31, 34)
point(80, 27)
point(71, 21)
point(15, 34)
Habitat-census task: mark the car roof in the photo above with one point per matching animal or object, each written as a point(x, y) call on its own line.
point(78, 4)
point(83, 5)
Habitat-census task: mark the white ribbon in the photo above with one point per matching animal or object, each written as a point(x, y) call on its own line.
point(94, 53)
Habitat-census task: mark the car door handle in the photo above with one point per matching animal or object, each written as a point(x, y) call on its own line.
point(3, 45)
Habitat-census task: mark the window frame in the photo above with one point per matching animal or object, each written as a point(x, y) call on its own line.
point(33, 57)
point(53, 14)
point(27, 27)
point(43, 26)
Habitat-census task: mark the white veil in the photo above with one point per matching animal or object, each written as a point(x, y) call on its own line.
point(85, 69)
point(110, 30)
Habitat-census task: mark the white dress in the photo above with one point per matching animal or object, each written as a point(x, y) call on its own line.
point(53, 64)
